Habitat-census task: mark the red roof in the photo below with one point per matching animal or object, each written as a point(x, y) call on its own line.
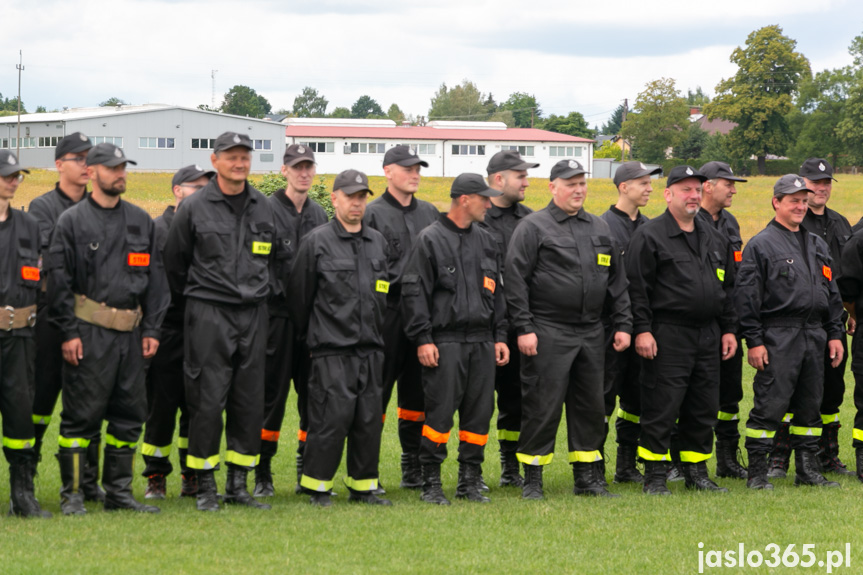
point(429, 133)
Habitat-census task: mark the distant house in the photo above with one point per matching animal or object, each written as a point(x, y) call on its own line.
point(617, 142)
point(717, 126)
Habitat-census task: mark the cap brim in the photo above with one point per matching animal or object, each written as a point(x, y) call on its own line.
point(231, 147)
point(293, 162)
point(114, 162)
point(408, 162)
point(196, 176)
point(9, 170)
point(571, 173)
point(819, 177)
point(490, 193)
point(636, 175)
point(81, 147)
point(351, 190)
point(790, 191)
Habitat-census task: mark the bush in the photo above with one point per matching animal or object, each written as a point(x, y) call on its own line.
point(320, 194)
point(272, 183)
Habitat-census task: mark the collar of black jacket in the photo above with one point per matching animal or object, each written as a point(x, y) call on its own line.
point(390, 199)
point(344, 234)
point(214, 193)
point(561, 216)
point(450, 225)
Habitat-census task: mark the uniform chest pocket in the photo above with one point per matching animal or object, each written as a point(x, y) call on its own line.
point(446, 276)
point(28, 263)
point(560, 251)
point(490, 276)
point(783, 268)
point(339, 280)
point(602, 253)
point(261, 238)
point(213, 239)
point(395, 248)
point(137, 253)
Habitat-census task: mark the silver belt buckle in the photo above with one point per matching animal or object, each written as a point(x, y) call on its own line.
point(11, 311)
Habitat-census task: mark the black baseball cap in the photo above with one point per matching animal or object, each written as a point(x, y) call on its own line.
point(817, 169)
point(107, 155)
point(352, 181)
point(679, 173)
point(467, 184)
point(789, 184)
point(566, 169)
point(230, 140)
point(296, 153)
point(72, 144)
point(9, 164)
point(715, 170)
point(189, 174)
point(633, 171)
point(508, 160)
point(403, 156)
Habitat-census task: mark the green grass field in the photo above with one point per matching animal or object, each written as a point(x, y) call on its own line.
point(563, 534)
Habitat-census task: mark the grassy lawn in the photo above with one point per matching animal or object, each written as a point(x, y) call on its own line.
point(563, 534)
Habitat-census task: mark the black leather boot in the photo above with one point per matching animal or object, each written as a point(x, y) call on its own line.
point(859, 452)
point(758, 471)
point(587, 481)
point(412, 476)
point(72, 462)
point(90, 477)
point(236, 490)
point(726, 460)
point(207, 498)
point(696, 477)
point(532, 488)
point(780, 455)
point(469, 477)
point(432, 486)
point(264, 478)
point(655, 473)
point(117, 480)
point(367, 497)
point(509, 472)
point(298, 489)
point(808, 471)
point(828, 454)
point(22, 501)
point(625, 470)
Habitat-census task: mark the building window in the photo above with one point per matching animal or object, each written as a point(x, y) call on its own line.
point(421, 149)
point(25, 143)
point(49, 141)
point(320, 147)
point(107, 140)
point(203, 143)
point(523, 150)
point(367, 148)
point(564, 151)
point(263, 144)
point(156, 143)
point(468, 150)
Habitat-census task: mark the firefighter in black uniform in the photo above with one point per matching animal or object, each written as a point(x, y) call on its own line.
point(681, 273)
point(834, 229)
point(507, 173)
point(70, 158)
point(718, 193)
point(633, 182)
point(790, 312)
point(19, 286)
point(561, 268)
point(108, 298)
point(338, 297)
point(400, 217)
point(295, 215)
point(851, 287)
point(454, 311)
point(165, 388)
point(218, 255)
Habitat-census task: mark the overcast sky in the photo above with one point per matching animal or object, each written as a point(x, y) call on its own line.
point(572, 55)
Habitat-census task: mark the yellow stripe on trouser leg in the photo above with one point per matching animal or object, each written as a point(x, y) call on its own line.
point(18, 443)
point(155, 450)
point(182, 442)
point(193, 462)
point(857, 434)
point(318, 485)
point(534, 459)
point(240, 459)
point(506, 435)
point(41, 419)
point(725, 416)
point(111, 440)
point(361, 484)
point(628, 416)
point(650, 456)
point(831, 418)
point(788, 417)
point(812, 431)
point(584, 456)
point(71, 442)
point(759, 433)
point(693, 457)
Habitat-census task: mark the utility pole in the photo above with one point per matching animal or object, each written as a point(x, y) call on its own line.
point(213, 98)
point(622, 121)
point(20, 68)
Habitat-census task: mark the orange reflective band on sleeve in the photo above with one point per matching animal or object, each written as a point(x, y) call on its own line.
point(474, 438)
point(139, 260)
point(301, 435)
point(30, 273)
point(738, 256)
point(434, 436)
point(267, 435)
point(408, 415)
point(828, 273)
point(488, 284)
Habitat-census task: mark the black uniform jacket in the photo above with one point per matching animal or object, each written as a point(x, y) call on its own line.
point(212, 254)
point(451, 286)
point(777, 285)
point(669, 282)
point(728, 227)
point(621, 227)
point(501, 223)
point(110, 256)
point(291, 228)
point(836, 233)
point(174, 316)
point(400, 226)
point(19, 265)
point(338, 290)
point(563, 269)
point(851, 288)
point(47, 209)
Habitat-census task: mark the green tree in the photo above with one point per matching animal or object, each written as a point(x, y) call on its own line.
point(850, 127)
point(395, 114)
point(696, 98)
point(693, 146)
point(463, 102)
point(367, 107)
point(244, 101)
point(341, 112)
point(310, 104)
point(524, 108)
point(658, 121)
point(41, 109)
point(814, 124)
point(114, 101)
point(608, 150)
point(759, 96)
point(573, 124)
point(615, 121)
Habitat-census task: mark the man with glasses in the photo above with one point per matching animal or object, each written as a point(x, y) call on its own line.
point(165, 387)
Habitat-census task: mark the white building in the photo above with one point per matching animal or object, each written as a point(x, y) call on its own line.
point(158, 137)
point(450, 148)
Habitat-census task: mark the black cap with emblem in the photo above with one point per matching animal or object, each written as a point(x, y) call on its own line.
point(403, 156)
point(72, 144)
point(352, 181)
point(107, 155)
point(679, 173)
point(296, 153)
point(190, 174)
point(789, 184)
point(9, 164)
point(467, 184)
point(633, 171)
point(508, 160)
point(566, 169)
point(230, 140)
point(815, 169)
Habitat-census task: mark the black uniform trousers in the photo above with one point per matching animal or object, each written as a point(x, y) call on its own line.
point(730, 395)
point(568, 369)
point(225, 352)
point(49, 368)
point(857, 433)
point(344, 403)
point(507, 383)
point(791, 383)
point(622, 380)
point(834, 385)
point(166, 394)
point(17, 359)
point(107, 384)
point(462, 382)
point(287, 360)
point(402, 366)
point(681, 383)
